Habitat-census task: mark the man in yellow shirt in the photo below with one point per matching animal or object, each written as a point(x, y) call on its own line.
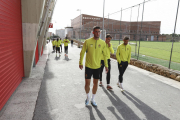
point(123, 55)
point(109, 50)
point(66, 42)
point(94, 48)
point(54, 44)
point(58, 43)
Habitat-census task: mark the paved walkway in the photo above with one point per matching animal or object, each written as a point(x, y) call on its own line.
point(147, 97)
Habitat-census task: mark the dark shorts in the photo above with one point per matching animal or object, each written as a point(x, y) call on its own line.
point(89, 72)
point(53, 47)
point(57, 48)
point(66, 49)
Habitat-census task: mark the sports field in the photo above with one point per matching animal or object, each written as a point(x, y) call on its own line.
point(156, 52)
point(159, 50)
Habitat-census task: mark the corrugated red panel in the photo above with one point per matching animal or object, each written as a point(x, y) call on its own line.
point(37, 54)
point(11, 48)
point(42, 51)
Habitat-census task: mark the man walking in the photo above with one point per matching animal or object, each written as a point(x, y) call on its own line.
point(109, 50)
point(66, 42)
point(58, 43)
point(123, 55)
point(94, 48)
point(72, 43)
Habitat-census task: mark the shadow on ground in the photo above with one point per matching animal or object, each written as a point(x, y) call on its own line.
point(100, 115)
point(42, 109)
point(126, 112)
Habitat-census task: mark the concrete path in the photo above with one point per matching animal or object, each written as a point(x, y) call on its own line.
point(147, 97)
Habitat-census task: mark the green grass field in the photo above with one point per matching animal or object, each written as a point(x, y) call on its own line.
point(156, 52)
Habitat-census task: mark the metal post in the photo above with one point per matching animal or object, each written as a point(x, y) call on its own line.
point(130, 21)
point(141, 29)
point(103, 15)
point(120, 27)
point(137, 30)
point(80, 25)
point(108, 22)
point(174, 35)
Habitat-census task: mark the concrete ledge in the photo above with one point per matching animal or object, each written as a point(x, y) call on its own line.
point(22, 103)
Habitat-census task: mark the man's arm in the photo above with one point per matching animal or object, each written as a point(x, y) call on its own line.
point(118, 55)
point(105, 58)
point(82, 55)
point(111, 49)
point(129, 56)
point(68, 41)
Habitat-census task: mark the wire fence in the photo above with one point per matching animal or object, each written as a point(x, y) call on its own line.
point(152, 28)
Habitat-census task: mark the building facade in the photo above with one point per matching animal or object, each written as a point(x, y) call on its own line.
point(24, 26)
point(61, 33)
point(118, 29)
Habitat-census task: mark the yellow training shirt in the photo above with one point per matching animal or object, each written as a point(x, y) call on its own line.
point(58, 43)
point(54, 42)
point(94, 49)
point(123, 53)
point(108, 50)
point(66, 42)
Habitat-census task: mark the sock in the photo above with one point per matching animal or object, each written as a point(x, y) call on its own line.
point(108, 84)
point(93, 95)
point(121, 85)
point(88, 96)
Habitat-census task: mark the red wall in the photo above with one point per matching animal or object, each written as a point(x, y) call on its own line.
point(42, 51)
point(11, 48)
point(37, 54)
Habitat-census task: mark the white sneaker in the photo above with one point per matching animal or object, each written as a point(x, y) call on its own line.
point(120, 85)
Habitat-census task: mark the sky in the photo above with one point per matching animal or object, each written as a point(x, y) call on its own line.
point(155, 10)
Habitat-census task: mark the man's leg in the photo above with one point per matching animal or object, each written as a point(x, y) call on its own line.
point(88, 74)
point(61, 48)
point(122, 67)
point(120, 72)
point(67, 50)
point(101, 71)
point(59, 51)
point(94, 90)
point(96, 73)
point(95, 86)
point(87, 85)
point(56, 51)
point(109, 72)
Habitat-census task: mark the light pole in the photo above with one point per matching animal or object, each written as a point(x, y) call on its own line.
point(80, 24)
point(103, 20)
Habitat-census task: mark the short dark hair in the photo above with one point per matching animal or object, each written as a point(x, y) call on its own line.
point(96, 27)
point(57, 38)
point(108, 36)
point(126, 38)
